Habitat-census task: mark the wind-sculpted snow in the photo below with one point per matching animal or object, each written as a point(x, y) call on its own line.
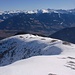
point(25, 46)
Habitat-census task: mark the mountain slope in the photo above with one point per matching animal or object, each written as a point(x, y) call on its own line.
point(25, 46)
point(67, 34)
point(41, 65)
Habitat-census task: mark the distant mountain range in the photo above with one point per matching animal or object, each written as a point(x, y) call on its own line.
point(43, 22)
point(38, 11)
point(7, 14)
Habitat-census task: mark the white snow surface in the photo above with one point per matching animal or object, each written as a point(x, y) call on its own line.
point(50, 56)
point(41, 65)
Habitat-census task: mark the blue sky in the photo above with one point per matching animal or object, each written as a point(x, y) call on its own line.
point(36, 4)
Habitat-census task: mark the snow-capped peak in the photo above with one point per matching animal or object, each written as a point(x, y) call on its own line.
point(1, 12)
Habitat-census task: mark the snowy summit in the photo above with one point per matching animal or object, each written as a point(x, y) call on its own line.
point(37, 56)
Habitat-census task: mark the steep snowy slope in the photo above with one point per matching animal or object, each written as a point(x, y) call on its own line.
point(25, 46)
point(41, 65)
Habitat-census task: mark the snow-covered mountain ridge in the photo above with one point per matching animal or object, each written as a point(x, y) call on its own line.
point(38, 11)
point(25, 46)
